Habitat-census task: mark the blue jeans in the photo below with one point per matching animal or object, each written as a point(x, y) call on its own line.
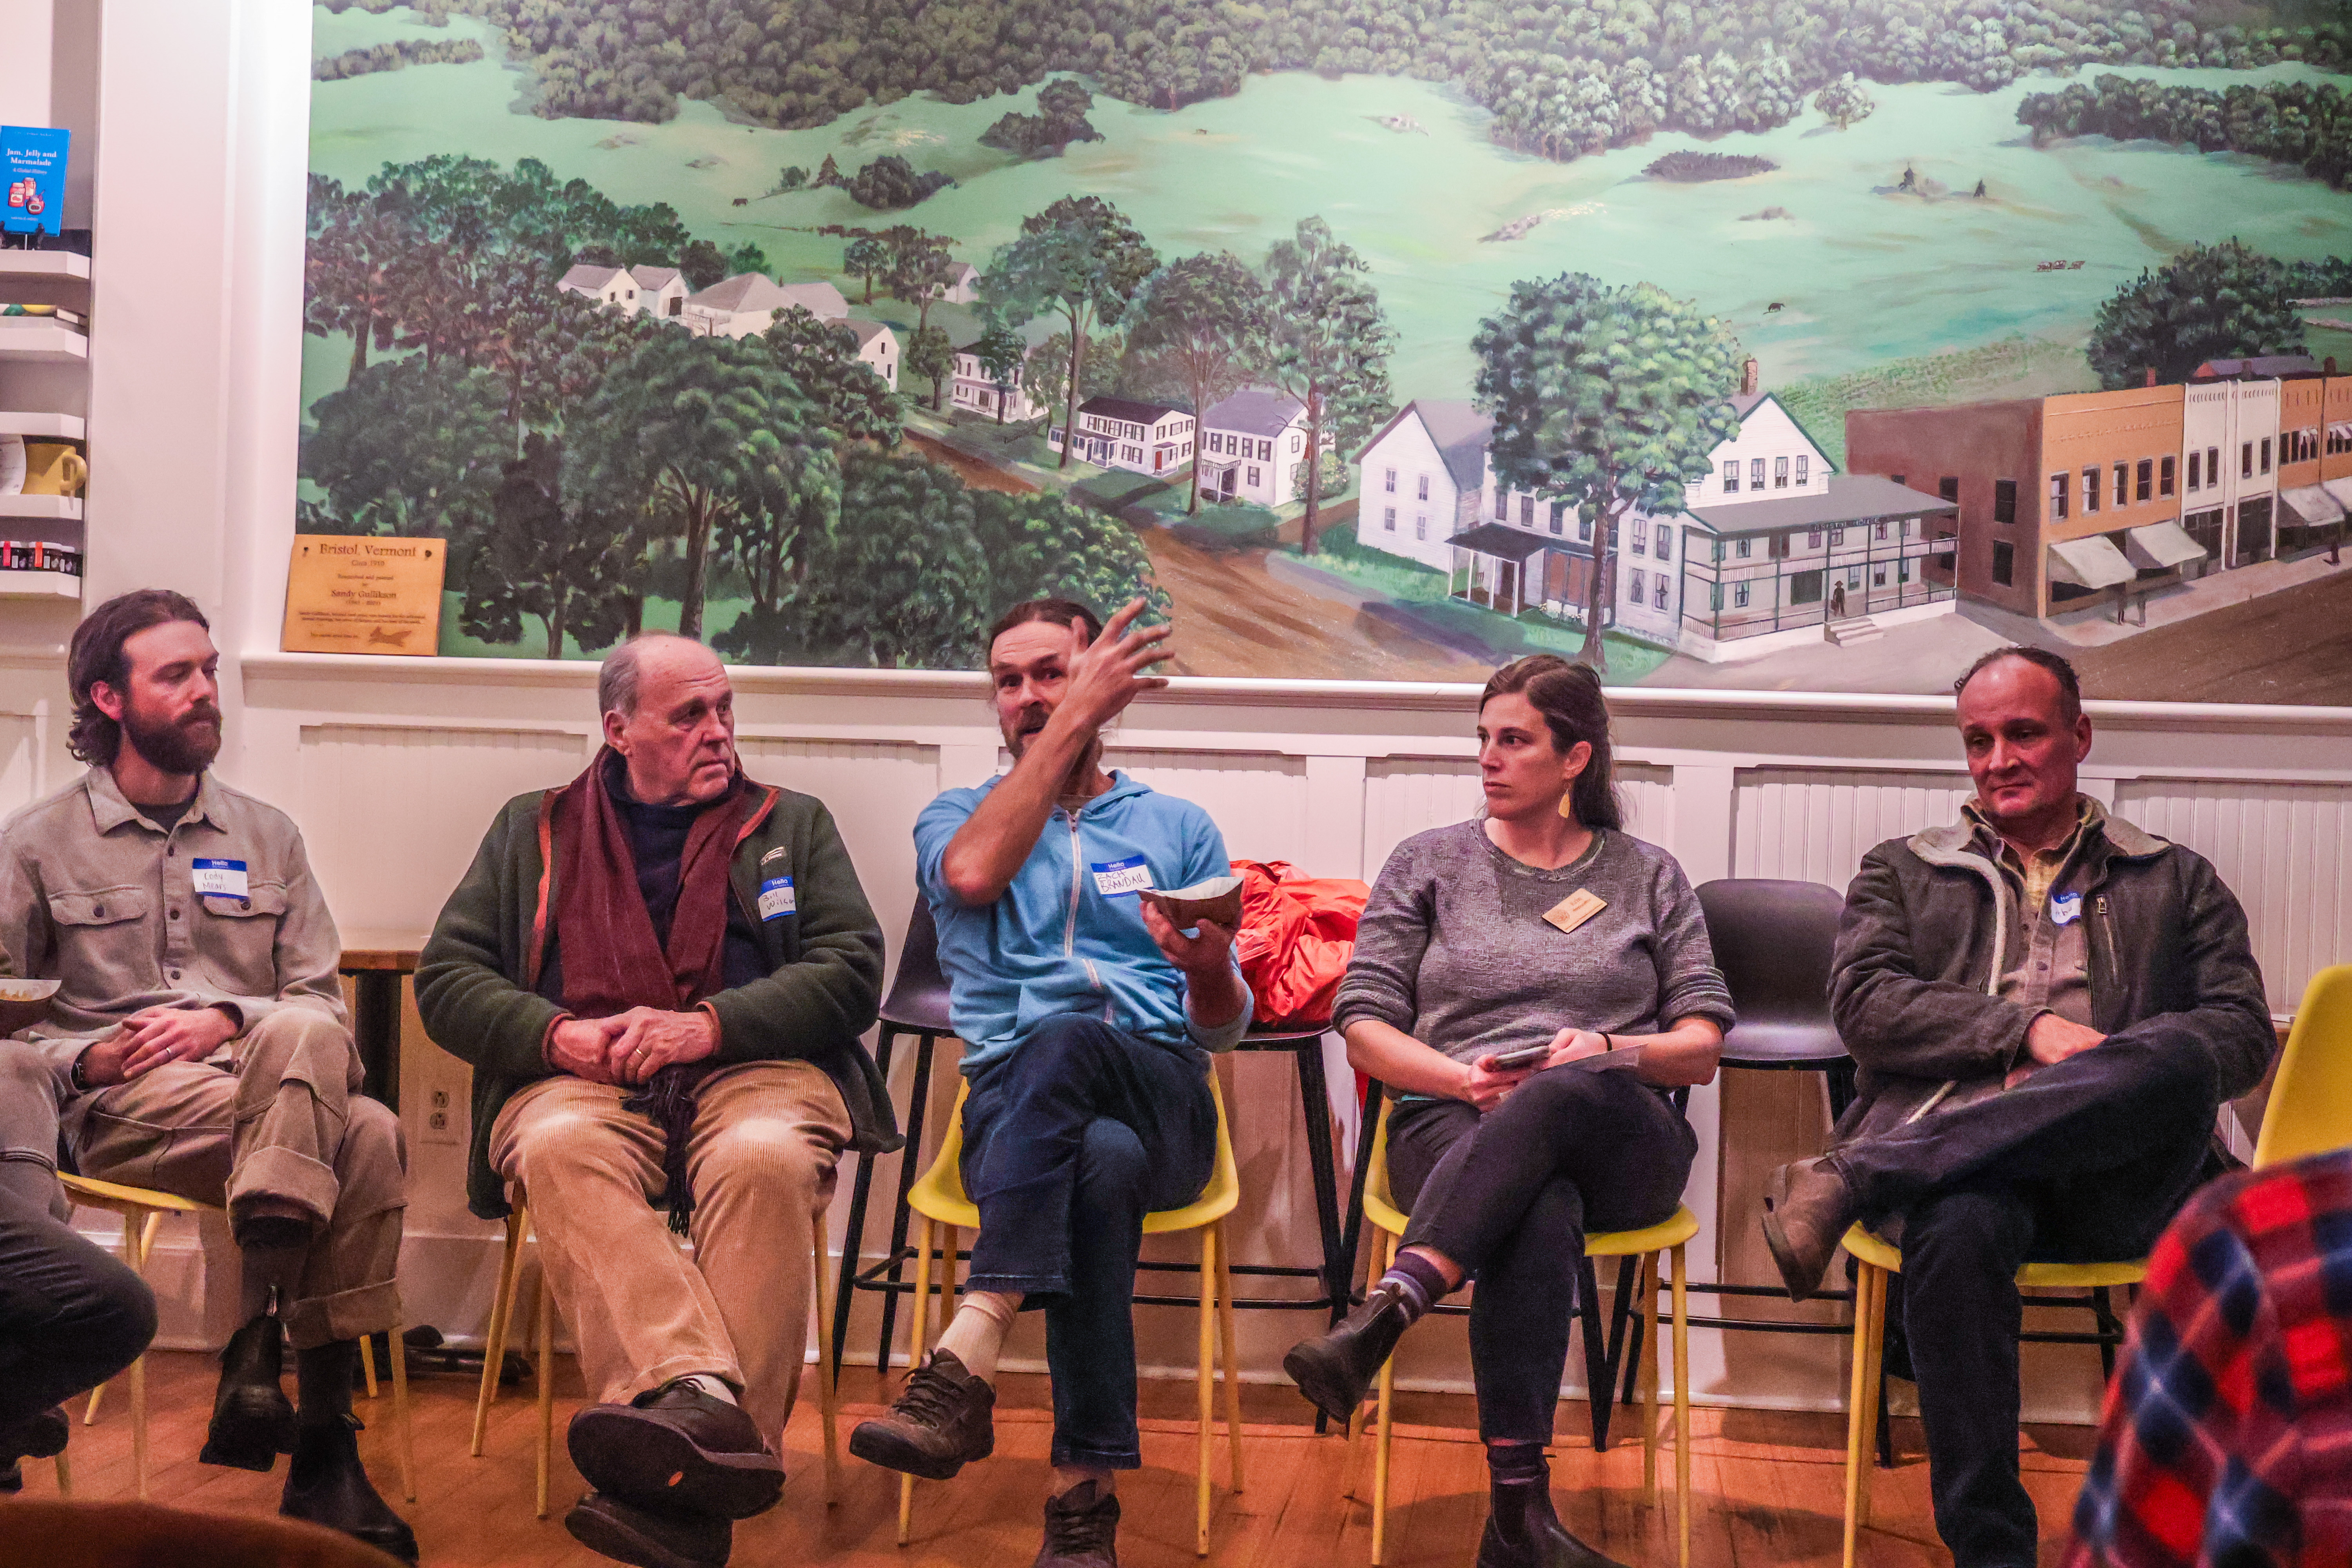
point(1067, 1144)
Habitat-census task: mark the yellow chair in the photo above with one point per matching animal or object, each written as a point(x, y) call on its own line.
point(502, 1312)
point(2310, 1110)
point(1643, 1245)
point(938, 1197)
point(143, 1210)
point(1876, 1259)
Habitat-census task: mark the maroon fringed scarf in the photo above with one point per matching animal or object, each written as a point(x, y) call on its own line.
point(612, 961)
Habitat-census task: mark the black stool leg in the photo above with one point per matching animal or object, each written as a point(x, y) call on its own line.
point(1317, 1096)
point(2103, 1303)
point(853, 1249)
point(1599, 1377)
point(909, 1159)
point(1351, 1229)
point(1629, 1319)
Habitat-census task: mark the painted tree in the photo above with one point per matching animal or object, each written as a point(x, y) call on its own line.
point(690, 432)
point(821, 357)
point(2210, 301)
point(921, 269)
point(1330, 344)
point(867, 256)
point(1041, 546)
point(347, 283)
point(408, 449)
point(1002, 354)
point(1843, 101)
point(1061, 118)
point(931, 355)
point(566, 563)
point(1606, 399)
point(1099, 377)
point(1200, 328)
point(703, 264)
point(1081, 259)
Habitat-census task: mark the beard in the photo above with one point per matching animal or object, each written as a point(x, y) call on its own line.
point(1031, 720)
point(186, 745)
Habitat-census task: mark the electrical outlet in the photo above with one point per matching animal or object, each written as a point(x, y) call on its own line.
point(445, 1115)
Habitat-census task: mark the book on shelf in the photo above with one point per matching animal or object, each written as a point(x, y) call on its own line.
point(12, 315)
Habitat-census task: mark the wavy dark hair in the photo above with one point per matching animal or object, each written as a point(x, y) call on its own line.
point(96, 654)
point(1060, 612)
point(1568, 697)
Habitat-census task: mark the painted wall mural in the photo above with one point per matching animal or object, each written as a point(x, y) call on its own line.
point(1809, 346)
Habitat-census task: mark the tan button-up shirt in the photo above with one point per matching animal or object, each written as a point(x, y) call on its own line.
point(2048, 969)
point(94, 895)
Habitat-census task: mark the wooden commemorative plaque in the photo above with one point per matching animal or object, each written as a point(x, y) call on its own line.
point(364, 593)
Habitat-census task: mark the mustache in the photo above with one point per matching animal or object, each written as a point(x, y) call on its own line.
point(202, 713)
point(1033, 719)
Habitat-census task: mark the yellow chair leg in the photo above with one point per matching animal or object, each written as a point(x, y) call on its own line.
point(915, 1359)
point(827, 1400)
point(407, 1438)
point(65, 1475)
point(1682, 1414)
point(367, 1362)
point(546, 1385)
point(141, 1238)
point(1647, 1281)
point(1205, 1396)
point(1877, 1348)
point(1360, 1429)
point(1865, 1284)
point(501, 1321)
point(90, 1412)
point(1233, 1373)
point(1380, 1462)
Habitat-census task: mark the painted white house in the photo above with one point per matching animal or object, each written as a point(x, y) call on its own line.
point(973, 388)
point(963, 283)
point(1769, 501)
point(748, 304)
point(1252, 445)
point(1141, 437)
point(2229, 492)
point(877, 347)
point(629, 289)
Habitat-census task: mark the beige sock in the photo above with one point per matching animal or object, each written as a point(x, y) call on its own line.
point(976, 1334)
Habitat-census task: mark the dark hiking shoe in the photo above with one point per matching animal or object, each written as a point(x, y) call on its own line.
point(1808, 1208)
point(1524, 1532)
point(41, 1437)
point(941, 1422)
point(1081, 1529)
point(650, 1538)
point(678, 1449)
point(1334, 1371)
point(253, 1421)
point(326, 1484)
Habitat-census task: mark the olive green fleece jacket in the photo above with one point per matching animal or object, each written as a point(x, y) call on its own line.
point(474, 983)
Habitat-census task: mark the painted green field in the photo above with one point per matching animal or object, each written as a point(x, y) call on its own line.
point(1864, 274)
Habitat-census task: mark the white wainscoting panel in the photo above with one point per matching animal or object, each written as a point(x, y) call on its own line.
point(1814, 825)
point(21, 775)
point(874, 789)
point(392, 814)
point(1259, 799)
point(1405, 795)
point(2285, 849)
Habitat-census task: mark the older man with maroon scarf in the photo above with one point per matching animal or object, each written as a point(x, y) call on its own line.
point(661, 973)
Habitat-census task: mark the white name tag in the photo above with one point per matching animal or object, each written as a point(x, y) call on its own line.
point(777, 898)
point(2066, 907)
point(1116, 879)
point(225, 877)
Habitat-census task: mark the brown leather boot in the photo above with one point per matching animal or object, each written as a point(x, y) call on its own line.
point(1808, 1208)
point(678, 1449)
point(942, 1420)
point(1081, 1529)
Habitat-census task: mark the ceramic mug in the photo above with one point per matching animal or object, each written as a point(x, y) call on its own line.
point(53, 468)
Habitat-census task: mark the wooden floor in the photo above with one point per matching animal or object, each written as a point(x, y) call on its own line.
point(1767, 1487)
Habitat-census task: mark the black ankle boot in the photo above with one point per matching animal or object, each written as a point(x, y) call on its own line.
point(43, 1436)
point(326, 1484)
point(1335, 1370)
point(253, 1422)
point(1522, 1530)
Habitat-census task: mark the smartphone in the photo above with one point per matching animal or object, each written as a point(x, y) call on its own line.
point(1525, 1057)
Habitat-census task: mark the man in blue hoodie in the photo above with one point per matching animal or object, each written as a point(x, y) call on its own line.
point(1086, 1018)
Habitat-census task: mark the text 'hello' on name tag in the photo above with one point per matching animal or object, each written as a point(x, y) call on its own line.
point(221, 876)
point(1575, 909)
point(1121, 878)
point(2066, 907)
point(777, 898)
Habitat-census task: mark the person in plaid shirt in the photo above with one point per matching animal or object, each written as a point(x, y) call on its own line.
point(2227, 1441)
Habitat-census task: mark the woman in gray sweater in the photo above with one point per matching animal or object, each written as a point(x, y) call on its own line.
point(1540, 928)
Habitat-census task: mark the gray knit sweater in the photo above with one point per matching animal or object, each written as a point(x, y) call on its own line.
point(1454, 951)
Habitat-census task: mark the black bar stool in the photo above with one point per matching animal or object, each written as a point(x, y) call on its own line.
point(917, 1005)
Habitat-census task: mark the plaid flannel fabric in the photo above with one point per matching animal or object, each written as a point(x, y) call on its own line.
point(2226, 1440)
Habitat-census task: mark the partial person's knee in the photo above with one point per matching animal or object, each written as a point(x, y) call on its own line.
point(24, 1073)
point(1112, 1162)
point(556, 1147)
point(300, 1042)
point(374, 1139)
point(2169, 1060)
point(1062, 1045)
point(781, 1160)
point(124, 1321)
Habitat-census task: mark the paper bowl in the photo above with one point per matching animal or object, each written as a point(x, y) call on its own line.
point(1219, 900)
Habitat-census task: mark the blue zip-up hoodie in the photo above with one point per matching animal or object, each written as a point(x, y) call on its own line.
point(1068, 935)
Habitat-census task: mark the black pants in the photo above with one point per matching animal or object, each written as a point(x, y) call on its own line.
point(2082, 1163)
point(1067, 1144)
point(1508, 1196)
point(71, 1315)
